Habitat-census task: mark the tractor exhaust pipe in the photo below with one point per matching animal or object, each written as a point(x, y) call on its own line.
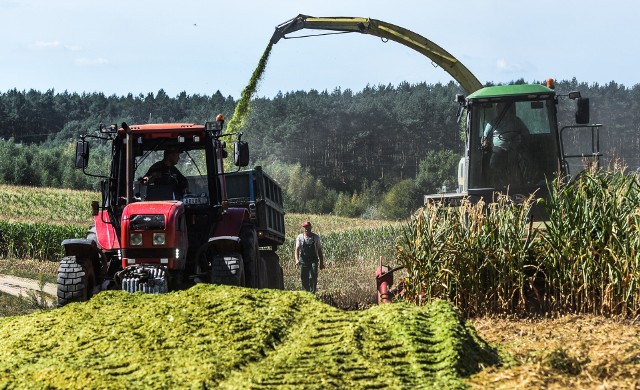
point(129, 162)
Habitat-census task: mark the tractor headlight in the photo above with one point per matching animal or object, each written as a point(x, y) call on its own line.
point(159, 238)
point(135, 239)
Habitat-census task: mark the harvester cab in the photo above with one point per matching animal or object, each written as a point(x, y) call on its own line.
point(514, 145)
point(165, 221)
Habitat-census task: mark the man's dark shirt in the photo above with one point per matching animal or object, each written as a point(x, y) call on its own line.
point(167, 175)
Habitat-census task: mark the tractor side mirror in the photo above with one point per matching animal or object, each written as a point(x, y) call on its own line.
point(82, 154)
point(582, 111)
point(241, 153)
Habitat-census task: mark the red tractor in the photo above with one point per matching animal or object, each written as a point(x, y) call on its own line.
point(158, 230)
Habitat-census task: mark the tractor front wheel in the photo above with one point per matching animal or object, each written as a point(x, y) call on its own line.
point(73, 281)
point(228, 269)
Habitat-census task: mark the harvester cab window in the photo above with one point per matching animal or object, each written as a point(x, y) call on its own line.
point(535, 116)
point(515, 144)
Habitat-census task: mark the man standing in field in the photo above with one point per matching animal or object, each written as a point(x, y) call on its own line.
point(308, 253)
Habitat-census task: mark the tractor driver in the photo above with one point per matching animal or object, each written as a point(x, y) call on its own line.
point(502, 137)
point(164, 172)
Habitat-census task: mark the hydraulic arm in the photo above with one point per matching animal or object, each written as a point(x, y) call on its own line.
point(384, 30)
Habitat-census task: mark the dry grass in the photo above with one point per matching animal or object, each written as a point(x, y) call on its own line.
point(569, 352)
point(15, 306)
point(348, 281)
point(346, 285)
point(30, 268)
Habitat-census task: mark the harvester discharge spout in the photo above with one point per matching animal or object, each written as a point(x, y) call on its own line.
point(386, 31)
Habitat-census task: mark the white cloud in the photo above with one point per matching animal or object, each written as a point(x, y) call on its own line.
point(46, 45)
point(505, 67)
point(91, 61)
point(55, 45)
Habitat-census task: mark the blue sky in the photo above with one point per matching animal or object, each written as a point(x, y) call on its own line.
point(141, 46)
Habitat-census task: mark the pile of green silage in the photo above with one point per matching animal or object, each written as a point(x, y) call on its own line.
point(229, 337)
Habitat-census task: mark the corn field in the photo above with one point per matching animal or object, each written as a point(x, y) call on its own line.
point(35, 240)
point(491, 259)
point(34, 221)
point(47, 205)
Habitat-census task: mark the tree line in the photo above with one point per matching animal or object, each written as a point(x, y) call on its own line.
point(368, 153)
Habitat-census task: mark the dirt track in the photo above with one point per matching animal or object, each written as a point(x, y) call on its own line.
point(15, 285)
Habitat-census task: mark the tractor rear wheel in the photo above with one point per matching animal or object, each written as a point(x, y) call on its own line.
point(228, 269)
point(275, 275)
point(73, 281)
point(254, 274)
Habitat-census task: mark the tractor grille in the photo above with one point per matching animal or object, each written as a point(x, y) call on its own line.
point(149, 279)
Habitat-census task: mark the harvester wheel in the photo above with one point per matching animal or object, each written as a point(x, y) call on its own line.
point(228, 269)
point(73, 281)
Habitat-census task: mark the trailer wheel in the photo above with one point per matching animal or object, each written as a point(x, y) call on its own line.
point(228, 269)
point(73, 281)
point(275, 275)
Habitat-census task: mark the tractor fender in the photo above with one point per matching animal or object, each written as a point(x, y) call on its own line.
point(226, 236)
point(84, 249)
point(224, 244)
point(80, 247)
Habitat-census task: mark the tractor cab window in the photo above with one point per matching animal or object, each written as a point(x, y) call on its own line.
point(512, 144)
point(172, 174)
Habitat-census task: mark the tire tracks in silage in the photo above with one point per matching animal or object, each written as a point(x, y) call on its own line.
point(323, 349)
point(384, 347)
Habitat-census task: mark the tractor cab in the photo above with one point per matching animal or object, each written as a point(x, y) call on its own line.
point(167, 170)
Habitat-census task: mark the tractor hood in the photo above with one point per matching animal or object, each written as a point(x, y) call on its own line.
point(168, 208)
point(154, 232)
